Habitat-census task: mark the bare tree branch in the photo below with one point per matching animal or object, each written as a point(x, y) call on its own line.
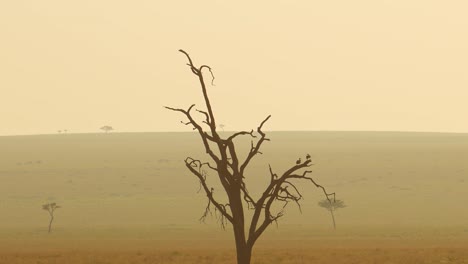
point(199, 73)
point(191, 164)
point(212, 75)
point(204, 136)
point(255, 150)
point(278, 191)
point(241, 133)
point(207, 117)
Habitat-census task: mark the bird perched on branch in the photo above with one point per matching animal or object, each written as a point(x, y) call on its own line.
point(308, 156)
point(298, 161)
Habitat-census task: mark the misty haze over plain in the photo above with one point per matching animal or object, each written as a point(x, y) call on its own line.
point(360, 65)
point(370, 93)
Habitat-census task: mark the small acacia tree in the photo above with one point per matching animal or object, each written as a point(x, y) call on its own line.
point(230, 171)
point(50, 207)
point(332, 206)
point(107, 128)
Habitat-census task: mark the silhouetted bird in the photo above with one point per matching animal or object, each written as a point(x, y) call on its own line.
point(298, 161)
point(308, 157)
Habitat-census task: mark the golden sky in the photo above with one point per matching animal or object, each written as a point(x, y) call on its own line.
point(314, 65)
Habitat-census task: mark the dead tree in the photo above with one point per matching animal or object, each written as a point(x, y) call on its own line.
point(50, 207)
point(230, 171)
point(332, 206)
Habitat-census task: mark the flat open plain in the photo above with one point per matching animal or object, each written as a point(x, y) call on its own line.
point(127, 198)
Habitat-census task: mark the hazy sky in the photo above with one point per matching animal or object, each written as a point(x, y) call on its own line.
point(314, 65)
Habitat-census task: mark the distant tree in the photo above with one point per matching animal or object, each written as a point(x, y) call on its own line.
point(332, 206)
point(50, 207)
point(59, 131)
point(221, 126)
point(107, 128)
point(229, 169)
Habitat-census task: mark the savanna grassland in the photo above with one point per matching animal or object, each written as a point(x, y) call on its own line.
point(127, 198)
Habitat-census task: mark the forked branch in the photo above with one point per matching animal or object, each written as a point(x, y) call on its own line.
point(206, 138)
point(198, 72)
point(195, 166)
point(255, 149)
point(281, 189)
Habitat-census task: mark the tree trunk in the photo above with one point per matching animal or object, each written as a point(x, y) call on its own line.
point(333, 217)
point(50, 223)
point(244, 254)
point(243, 251)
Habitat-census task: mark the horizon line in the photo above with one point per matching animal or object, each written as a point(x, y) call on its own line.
point(234, 131)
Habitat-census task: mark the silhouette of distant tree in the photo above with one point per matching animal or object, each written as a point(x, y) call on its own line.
point(50, 207)
point(332, 206)
point(107, 128)
point(230, 170)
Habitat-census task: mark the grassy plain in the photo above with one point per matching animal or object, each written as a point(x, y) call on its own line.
point(127, 198)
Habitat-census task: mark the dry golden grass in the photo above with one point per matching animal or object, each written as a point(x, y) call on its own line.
point(370, 254)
